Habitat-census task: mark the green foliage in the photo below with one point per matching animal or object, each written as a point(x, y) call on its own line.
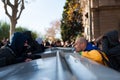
point(4, 30)
point(71, 23)
point(34, 35)
point(20, 29)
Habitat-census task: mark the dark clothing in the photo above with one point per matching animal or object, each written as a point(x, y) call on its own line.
point(16, 51)
point(7, 56)
point(34, 46)
point(109, 41)
point(111, 46)
point(17, 43)
point(11, 53)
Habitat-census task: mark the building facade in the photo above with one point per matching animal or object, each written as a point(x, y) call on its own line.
point(100, 16)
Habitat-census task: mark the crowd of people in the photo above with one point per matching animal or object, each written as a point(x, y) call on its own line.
point(22, 48)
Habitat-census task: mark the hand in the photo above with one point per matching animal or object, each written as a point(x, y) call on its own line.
point(29, 53)
point(28, 59)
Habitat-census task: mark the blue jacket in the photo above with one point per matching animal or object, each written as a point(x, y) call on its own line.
point(90, 46)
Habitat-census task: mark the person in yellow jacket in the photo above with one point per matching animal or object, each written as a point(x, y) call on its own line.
point(88, 50)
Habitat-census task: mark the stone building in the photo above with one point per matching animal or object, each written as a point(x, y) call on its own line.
point(100, 16)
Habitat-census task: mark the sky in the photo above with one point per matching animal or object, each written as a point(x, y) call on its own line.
point(37, 15)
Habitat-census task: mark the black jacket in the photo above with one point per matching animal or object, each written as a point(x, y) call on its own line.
point(13, 52)
point(110, 40)
point(7, 56)
point(111, 46)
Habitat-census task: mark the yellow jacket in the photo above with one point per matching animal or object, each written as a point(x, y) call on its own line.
point(94, 55)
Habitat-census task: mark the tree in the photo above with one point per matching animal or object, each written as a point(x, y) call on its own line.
point(4, 30)
point(54, 29)
point(71, 23)
point(20, 29)
point(16, 7)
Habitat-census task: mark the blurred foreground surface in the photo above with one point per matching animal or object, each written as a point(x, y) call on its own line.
point(58, 64)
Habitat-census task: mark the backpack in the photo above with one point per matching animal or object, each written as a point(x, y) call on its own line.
point(111, 46)
point(113, 58)
point(105, 59)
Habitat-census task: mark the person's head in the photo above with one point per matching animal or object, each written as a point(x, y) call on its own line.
point(58, 43)
point(80, 44)
point(29, 36)
point(17, 42)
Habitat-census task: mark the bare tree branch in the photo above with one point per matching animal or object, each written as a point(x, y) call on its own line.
point(19, 2)
point(3, 1)
point(21, 9)
point(5, 6)
point(9, 3)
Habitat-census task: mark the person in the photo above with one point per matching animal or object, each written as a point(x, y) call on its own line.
point(47, 44)
point(111, 46)
point(58, 43)
point(88, 50)
point(110, 40)
point(13, 52)
point(35, 47)
point(40, 44)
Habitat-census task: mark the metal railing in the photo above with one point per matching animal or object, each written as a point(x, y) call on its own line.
point(59, 64)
